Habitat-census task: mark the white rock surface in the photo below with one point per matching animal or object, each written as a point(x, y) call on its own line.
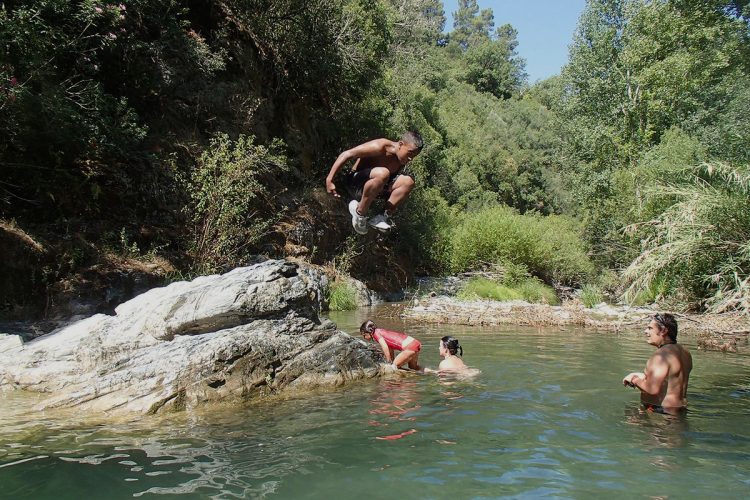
point(250, 331)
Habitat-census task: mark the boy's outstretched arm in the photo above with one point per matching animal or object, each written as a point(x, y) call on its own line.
point(371, 148)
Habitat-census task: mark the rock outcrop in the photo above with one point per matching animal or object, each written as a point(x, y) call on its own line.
point(252, 331)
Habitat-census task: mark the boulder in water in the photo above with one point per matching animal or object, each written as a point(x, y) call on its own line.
point(252, 331)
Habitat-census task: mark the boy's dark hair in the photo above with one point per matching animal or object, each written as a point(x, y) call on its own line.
point(669, 322)
point(367, 327)
point(451, 343)
point(413, 137)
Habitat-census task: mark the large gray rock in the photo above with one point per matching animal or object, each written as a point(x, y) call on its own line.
point(252, 331)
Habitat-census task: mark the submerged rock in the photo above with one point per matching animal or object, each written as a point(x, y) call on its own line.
point(251, 331)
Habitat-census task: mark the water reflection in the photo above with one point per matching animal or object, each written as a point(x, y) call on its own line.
point(664, 430)
point(394, 402)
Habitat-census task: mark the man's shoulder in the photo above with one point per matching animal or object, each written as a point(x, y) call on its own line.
point(673, 353)
point(384, 143)
point(375, 147)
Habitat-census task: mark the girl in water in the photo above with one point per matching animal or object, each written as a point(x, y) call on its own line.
point(393, 341)
point(451, 363)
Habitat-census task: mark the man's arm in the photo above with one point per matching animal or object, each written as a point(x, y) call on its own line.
point(657, 371)
point(371, 148)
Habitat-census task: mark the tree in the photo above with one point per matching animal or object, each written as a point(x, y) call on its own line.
point(417, 24)
point(493, 65)
point(470, 25)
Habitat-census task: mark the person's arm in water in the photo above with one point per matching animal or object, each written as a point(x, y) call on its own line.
point(371, 148)
point(650, 382)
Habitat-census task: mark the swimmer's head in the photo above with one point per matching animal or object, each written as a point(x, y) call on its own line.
point(451, 345)
point(367, 328)
point(668, 323)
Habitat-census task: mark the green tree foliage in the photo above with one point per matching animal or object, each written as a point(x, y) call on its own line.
point(636, 70)
point(417, 25)
point(470, 25)
point(495, 151)
point(91, 91)
point(493, 65)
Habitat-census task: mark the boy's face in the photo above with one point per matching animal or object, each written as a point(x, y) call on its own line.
point(406, 152)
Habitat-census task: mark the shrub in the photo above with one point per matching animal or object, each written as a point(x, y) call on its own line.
point(232, 189)
point(530, 289)
point(591, 295)
point(698, 249)
point(550, 247)
point(426, 233)
point(341, 297)
point(533, 290)
point(482, 288)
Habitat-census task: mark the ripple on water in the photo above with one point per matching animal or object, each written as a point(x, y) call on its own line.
point(532, 424)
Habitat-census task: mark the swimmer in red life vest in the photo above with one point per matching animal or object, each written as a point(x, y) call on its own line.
point(394, 341)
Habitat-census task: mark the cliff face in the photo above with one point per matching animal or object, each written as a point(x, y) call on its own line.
point(252, 331)
point(106, 170)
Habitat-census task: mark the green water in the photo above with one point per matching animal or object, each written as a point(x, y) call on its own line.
point(547, 417)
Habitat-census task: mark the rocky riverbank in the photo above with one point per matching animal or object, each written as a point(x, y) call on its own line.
point(249, 332)
point(718, 332)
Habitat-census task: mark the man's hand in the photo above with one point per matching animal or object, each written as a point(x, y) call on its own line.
point(628, 380)
point(331, 188)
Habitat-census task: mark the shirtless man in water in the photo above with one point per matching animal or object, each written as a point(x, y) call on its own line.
point(377, 171)
point(664, 384)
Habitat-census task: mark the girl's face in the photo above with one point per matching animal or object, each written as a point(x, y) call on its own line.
point(443, 351)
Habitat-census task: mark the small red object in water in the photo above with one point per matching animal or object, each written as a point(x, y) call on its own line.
point(397, 436)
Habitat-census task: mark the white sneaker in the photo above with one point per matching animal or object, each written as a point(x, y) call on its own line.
point(381, 222)
point(358, 221)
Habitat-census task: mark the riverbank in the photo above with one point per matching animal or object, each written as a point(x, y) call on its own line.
point(724, 332)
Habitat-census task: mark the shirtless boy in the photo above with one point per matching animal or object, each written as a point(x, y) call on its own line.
point(664, 384)
point(377, 172)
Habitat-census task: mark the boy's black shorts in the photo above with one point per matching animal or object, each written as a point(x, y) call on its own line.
point(356, 179)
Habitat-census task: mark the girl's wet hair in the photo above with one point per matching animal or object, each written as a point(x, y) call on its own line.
point(451, 343)
point(367, 327)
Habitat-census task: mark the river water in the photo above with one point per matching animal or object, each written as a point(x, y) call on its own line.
point(546, 417)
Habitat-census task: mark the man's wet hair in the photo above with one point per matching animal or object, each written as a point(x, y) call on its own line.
point(669, 322)
point(367, 327)
point(413, 137)
point(451, 343)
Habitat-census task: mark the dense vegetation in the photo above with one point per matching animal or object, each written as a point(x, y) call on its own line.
point(193, 129)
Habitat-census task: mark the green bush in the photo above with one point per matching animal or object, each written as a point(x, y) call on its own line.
point(698, 249)
point(530, 290)
point(425, 234)
point(341, 297)
point(232, 189)
point(534, 290)
point(550, 247)
point(591, 295)
point(482, 288)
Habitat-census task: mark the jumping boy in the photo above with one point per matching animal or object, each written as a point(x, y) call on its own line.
point(377, 172)
point(393, 341)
